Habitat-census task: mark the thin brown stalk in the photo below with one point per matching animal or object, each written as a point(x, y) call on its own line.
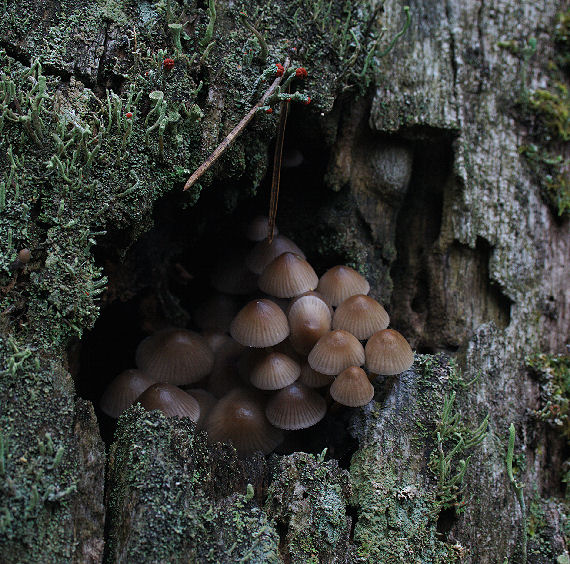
point(235, 131)
point(276, 177)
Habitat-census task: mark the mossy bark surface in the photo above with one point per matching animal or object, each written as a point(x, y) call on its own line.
point(429, 187)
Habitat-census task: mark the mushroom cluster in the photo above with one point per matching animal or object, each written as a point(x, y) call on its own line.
point(275, 364)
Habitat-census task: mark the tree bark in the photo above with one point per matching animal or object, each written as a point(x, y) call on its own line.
point(425, 178)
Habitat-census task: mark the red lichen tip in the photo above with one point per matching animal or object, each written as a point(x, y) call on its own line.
point(280, 69)
point(307, 101)
point(301, 72)
point(168, 64)
point(269, 111)
point(129, 115)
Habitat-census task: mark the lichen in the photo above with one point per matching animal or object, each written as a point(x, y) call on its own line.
point(171, 500)
point(308, 498)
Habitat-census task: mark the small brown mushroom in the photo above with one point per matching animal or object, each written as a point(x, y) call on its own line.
point(264, 252)
point(288, 275)
point(352, 387)
point(273, 371)
point(123, 390)
point(360, 315)
point(336, 351)
point(340, 282)
point(388, 353)
point(295, 407)
point(314, 379)
point(176, 356)
point(239, 417)
point(309, 319)
point(261, 323)
point(169, 399)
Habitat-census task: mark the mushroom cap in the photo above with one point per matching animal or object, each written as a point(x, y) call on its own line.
point(314, 379)
point(288, 275)
point(169, 399)
point(176, 356)
point(216, 313)
point(24, 256)
point(352, 387)
point(258, 229)
point(264, 252)
point(231, 276)
point(360, 315)
point(239, 417)
point(274, 371)
point(123, 390)
point(295, 407)
point(336, 351)
point(340, 282)
point(311, 293)
point(388, 353)
point(261, 323)
point(309, 319)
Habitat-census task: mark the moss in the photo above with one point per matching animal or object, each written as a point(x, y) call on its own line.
point(170, 497)
point(308, 497)
point(398, 505)
point(546, 114)
point(553, 373)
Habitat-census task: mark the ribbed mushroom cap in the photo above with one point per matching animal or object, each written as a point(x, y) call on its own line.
point(216, 313)
point(288, 275)
point(314, 379)
point(336, 351)
point(309, 319)
point(352, 387)
point(239, 417)
point(258, 229)
point(169, 399)
point(123, 390)
point(206, 401)
point(274, 371)
point(223, 346)
point(360, 315)
point(340, 282)
point(388, 353)
point(261, 323)
point(295, 407)
point(176, 356)
point(311, 293)
point(264, 252)
point(231, 276)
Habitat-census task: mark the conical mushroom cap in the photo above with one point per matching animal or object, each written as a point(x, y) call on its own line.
point(122, 392)
point(239, 417)
point(340, 282)
point(264, 252)
point(216, 313)
point(261, 323)
point(274, 371)
point(336, 351)
point(352, 387)
point(288, 275)
point(258, 229)
point(176, 356)
point(309, 319)
point(388, 353)
point(295, 407)
point(169, 399)
point(305, 294)
point(314, 379)
point(360, 315)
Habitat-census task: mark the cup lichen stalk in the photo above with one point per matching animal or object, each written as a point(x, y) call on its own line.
point(232, 135)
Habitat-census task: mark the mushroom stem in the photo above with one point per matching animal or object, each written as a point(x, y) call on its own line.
point(235, 131)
